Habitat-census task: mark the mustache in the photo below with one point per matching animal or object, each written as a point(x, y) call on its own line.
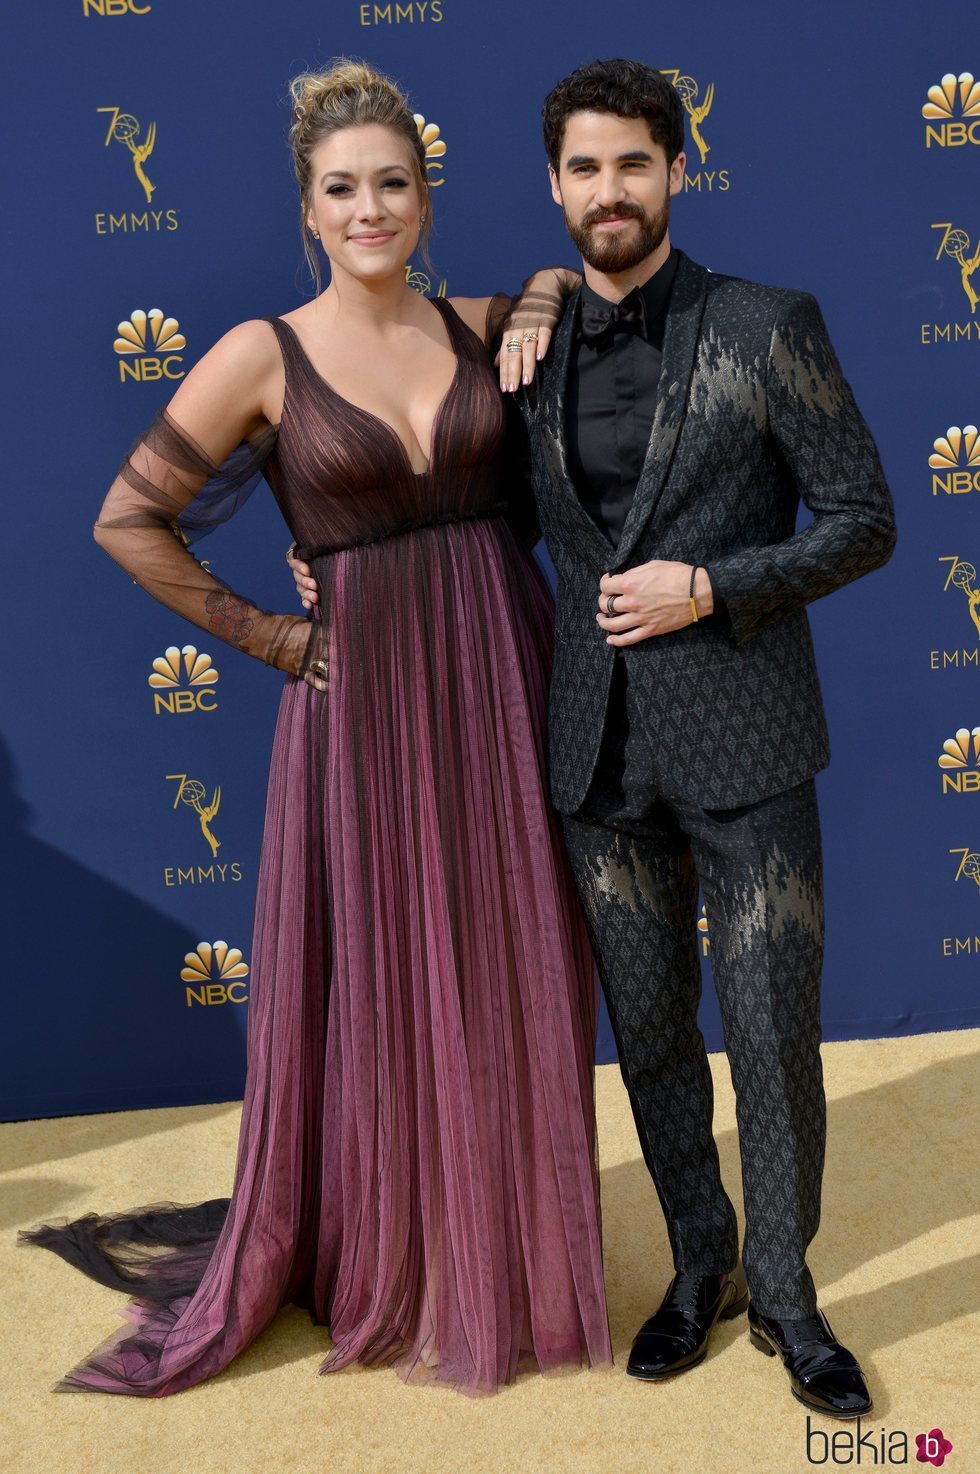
point(621, 212)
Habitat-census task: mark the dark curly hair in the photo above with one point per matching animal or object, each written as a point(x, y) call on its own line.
point(627, 88)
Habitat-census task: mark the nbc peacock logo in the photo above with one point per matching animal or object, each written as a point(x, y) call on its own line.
point(952, 112)
point(697, 106)
point(960, 762)
point(148, 346)
point(214, 973)
point(955, 461)
point(435, 149)
point(183, 681)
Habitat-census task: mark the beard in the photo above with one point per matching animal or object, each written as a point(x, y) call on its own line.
point(627, 248)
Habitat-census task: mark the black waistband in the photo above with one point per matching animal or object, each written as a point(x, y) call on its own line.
point(323, 550)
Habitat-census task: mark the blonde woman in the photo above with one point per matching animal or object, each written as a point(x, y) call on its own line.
point(416, 1162)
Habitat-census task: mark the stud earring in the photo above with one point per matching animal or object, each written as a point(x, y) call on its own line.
point(422, 218)
point(314, 233)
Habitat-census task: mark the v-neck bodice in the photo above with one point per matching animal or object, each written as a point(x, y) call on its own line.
point(342, 475)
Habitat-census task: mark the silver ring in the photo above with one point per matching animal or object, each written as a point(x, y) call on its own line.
point(611, 603)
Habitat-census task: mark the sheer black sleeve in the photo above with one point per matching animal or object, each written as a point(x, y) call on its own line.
point(540, 302)
point(168, 492)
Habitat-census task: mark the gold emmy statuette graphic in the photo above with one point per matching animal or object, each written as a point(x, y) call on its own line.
point(969, 866)
point(696, 111)
point(420, 282)
point(435, 148)
point(192, 793)
point(962, 576)
point(956, 244)
point(124, 128)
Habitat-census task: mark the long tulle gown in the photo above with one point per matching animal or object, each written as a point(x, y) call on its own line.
point(416, 1162)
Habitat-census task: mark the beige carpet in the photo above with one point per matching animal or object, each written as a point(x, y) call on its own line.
point(896, 1263)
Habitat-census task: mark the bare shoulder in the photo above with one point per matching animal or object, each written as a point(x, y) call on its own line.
point(473, 311)
point(235, 389)
point(249, 347)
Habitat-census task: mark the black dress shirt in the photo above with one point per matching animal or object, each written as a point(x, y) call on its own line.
point(610, 405)
point(611, 401)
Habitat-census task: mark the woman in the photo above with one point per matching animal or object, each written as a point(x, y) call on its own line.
point(416, 1160)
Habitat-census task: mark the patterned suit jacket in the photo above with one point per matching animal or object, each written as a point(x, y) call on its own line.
point(753, 416)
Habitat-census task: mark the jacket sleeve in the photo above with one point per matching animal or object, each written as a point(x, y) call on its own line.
point(835, 465)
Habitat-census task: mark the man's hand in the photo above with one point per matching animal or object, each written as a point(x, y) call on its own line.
point(305, 583)
point(652, 599)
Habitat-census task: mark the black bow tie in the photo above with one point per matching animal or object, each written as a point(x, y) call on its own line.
point(601, 318)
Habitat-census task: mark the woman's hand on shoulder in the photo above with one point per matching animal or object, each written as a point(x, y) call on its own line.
point(528, 326)
point(234, 391)
point(483, 316)
point(527, 320)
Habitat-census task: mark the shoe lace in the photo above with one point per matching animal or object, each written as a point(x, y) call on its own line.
point(809, 1329)
point(684, 1292)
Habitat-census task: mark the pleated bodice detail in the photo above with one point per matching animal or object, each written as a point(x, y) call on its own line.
point(342, 476)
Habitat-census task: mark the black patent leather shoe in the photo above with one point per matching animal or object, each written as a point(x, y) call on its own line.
point(824, 1375)
point(676, 1337)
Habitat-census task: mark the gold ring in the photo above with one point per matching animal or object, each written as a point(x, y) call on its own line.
point(291, 551)
point(319, 668)
point(530, 337)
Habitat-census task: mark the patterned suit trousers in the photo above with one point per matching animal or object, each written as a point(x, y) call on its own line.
point(638, 855)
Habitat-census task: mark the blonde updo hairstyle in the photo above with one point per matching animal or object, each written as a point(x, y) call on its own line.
point(349, 94)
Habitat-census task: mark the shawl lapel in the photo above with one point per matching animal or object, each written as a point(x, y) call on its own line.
point(550, 430)
point(680, 348)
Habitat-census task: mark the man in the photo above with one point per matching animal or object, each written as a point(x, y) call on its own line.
point(679, 419)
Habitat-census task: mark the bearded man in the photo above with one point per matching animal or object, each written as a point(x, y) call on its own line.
point(678, 421)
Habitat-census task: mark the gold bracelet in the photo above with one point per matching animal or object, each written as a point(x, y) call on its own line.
point(695, 616)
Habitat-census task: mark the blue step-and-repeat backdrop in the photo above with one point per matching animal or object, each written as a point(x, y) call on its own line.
point(149, 206)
